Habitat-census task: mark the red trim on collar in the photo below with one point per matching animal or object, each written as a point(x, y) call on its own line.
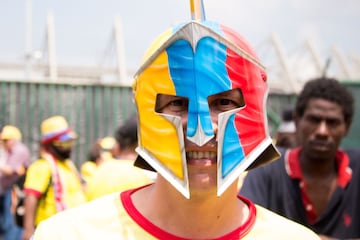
point(159, 233)
point(292, 165)
point(344, 170)
point(293, 168)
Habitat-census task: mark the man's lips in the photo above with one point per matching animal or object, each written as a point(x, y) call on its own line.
point(204, 158)
point(321, 145)
point(201, 154)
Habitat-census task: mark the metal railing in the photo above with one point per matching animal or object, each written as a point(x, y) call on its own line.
point(93, 111)
point(96, 110)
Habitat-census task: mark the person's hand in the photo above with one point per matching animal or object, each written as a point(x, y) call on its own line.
point(21, 171)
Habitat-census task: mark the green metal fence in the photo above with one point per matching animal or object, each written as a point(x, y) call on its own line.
point(353, 138)
point(95, 111)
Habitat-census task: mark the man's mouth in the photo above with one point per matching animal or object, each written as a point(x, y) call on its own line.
point(197, 154)
point(201, 157)
point(318, 144)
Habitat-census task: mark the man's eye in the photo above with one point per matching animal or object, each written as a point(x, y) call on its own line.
point(178, 103)
point(171, 104)
point(334, 122)
point(226, 101)
point(313, 119)
point(225, 104)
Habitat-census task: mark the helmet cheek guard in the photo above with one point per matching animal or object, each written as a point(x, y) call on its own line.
point(197, 60)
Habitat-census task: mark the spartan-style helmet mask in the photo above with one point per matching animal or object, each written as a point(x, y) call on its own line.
point(196, 60)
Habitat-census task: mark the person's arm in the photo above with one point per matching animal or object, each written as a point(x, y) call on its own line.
point(31, 203)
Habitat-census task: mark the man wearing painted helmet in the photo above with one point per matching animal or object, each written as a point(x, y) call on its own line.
point(200, 94)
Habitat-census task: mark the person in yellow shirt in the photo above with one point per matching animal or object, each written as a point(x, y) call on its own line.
point(119, 174)
point(12, 174)
point(100, 152)
point(52, 182)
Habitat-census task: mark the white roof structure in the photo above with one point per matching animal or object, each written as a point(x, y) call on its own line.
point(287, 70)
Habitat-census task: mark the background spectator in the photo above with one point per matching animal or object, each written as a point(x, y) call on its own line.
point(52, 182)
point(317, 183)
point(12, 171)
point(120, 173)
point(286, 133)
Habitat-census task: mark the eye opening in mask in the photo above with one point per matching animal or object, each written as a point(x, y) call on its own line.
point(171, 104)
point(219, 102)
point(226, 101)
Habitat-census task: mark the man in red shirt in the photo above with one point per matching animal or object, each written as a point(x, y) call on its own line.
point(317, 183)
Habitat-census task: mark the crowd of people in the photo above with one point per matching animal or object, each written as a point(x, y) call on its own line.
point(172, 170)
point(52, 183)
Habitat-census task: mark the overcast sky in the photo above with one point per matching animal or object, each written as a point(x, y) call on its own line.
point(83, 27)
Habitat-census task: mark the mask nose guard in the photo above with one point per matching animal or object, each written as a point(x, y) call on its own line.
point(199, 132)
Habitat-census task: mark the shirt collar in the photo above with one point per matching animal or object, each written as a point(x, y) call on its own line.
point(293, 169)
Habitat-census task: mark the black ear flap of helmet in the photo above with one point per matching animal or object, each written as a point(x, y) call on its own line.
point(270, 154)
point(141, 163)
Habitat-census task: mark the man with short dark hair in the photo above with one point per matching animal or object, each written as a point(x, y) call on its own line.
point(317, 183)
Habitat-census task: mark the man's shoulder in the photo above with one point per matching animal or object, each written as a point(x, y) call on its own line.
point(354, 158)
point(81, 221)
point(269, 221)
point(118, 163)
point(273, 165)
point(121, 168)
point(40, 163)
point(353, 153)
point(39, 169)
point(99, 208)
